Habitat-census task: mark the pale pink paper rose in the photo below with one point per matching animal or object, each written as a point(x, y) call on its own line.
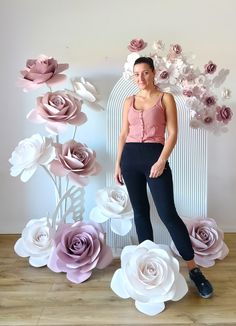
point(42, 70)
point(207, 241)
point(36, 242)
point(29, 154)
point(150, 275)
point(137, 45)
point(78, 249)
point(56, 110)
point(76, 161)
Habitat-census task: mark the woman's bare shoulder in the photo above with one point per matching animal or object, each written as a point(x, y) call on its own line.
point(128, 101)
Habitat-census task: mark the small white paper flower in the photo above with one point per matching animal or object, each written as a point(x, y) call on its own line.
point(31, 152)
point(36, 242)
point(150, 275)
point(129, 65)
point(114, 204)
point(85, 90)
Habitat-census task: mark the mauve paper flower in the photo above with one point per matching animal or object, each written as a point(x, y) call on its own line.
point(114, 204)
point(78, 249)
point(57, 110)
point(29, 154)
point(42, 70)
point(210, 67)
point(36, 242)
point(209, 100)
point(207, 241)
point(224, 114)
point(75, 160)
point(137, 45)
point(150, 275)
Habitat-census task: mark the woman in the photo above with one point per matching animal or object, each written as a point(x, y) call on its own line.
point(142, 158)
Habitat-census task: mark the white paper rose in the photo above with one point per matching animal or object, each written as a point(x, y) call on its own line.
point(207, 241)
point(150, 275)
point(31, 152)
point(87, 93)
point(36, 242)
point(114, 204)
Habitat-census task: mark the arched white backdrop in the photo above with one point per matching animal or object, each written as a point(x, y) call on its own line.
point(188, 163)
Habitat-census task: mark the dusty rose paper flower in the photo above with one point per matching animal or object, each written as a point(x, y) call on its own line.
point(36, 242)
point(29, 154)
point(210, 67)
point(207, 241)
point(42, 70)
point(150, 275)
point(137, 45)
point(57, 110)
point(113, 203)
point(209, 100)
point(78, 249)
point(75, 160)
point(224, 114)
point(176, 48)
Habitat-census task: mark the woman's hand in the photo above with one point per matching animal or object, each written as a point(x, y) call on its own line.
point(118, 176)
point(157, 168)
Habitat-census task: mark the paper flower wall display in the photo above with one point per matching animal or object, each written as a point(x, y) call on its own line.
point(69, 166)
point(207, 241)
point(150, 275)
point(113, 204)
point(175, 73)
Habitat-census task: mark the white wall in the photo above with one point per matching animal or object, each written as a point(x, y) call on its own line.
point(92, 37)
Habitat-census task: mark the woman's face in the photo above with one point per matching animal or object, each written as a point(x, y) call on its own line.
point(143, 75)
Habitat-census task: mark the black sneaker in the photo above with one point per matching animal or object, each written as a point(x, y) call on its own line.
point(204, 287)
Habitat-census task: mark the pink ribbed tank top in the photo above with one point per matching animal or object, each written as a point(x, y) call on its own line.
point(147, 126)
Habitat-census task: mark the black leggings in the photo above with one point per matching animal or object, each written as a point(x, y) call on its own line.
point(136, 162)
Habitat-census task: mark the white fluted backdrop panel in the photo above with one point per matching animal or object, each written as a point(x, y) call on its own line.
point(188, 163)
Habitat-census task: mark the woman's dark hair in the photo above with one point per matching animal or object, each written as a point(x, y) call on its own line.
point(146, 60)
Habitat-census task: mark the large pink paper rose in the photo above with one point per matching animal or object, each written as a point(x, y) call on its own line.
point(78, 249)
point(57, 110)
point(207, 241)
point(137, 45)
point(75, 160)
point(42, 70)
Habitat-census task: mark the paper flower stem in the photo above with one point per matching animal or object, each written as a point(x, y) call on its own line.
point(75, 130)
point(54, 182)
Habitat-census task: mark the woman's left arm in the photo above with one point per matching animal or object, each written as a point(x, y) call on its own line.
point(172, 131)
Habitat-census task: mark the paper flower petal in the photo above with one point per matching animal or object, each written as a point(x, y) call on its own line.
point(121, 227)
point(150, 309)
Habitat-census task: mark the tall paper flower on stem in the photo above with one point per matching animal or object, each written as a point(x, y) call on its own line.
point(42, 70)
point(78, 249)
point(58, 110)
point(29, 154)
point(76, 161)
point(207, 241)
point(150, 275)
point(114, 204)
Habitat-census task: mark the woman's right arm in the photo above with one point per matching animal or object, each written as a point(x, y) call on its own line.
point(122, 138)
